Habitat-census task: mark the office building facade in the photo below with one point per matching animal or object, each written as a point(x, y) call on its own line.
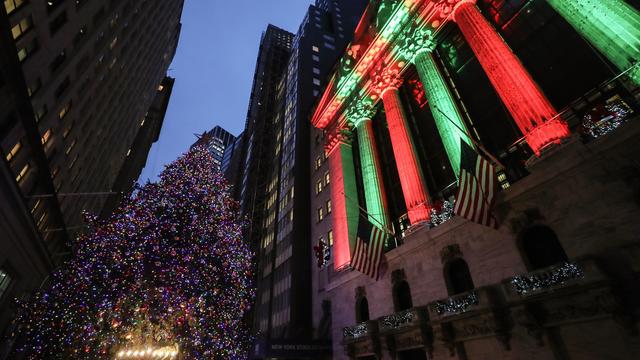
point(91, 70)
point(548, 91)
point(137, 156)
point(284, 302)
point(216, 140)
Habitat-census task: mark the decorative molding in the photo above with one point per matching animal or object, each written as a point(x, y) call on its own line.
point(450, 252)
point(384, 78)
point(414, 40)
point(360, 110)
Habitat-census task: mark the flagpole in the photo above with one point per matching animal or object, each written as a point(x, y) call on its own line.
point(382, 226)
point(476, 143)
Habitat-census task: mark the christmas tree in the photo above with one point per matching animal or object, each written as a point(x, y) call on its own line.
point(166, 276)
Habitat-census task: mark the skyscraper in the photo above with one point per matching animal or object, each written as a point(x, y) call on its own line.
point(91, 69)
point(138, 154)
point(284, 302)
point(216, 140)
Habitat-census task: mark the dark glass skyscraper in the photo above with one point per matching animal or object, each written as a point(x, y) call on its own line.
point(282, 230)
point(217, 141)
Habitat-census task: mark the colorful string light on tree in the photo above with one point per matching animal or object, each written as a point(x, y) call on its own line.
point(168, 270)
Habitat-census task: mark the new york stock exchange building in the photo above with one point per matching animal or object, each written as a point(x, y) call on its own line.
point(545, 264)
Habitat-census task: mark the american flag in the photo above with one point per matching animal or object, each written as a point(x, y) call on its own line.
point(478, 185)
point(367, 256)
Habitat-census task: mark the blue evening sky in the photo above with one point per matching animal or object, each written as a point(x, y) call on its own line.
point(214, 68)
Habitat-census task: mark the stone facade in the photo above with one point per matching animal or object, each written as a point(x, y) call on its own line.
point(589, 196)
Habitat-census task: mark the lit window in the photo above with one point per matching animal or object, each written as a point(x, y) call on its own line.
point(41, 112)
point(316, 82)
point(64, 111)
point(68, 151)
point(328, 206)
point(316, 92)
point(318, 186)
point(22, 27)
point(315, 48)
point(35, 206)
point(5, 279)
point(316, 71)
point(327, 178)
point(12, 5)
point(14, 151)
point(330, 237)
point(45, 138)
point(128, 152)
point(320, 214)
point(315, 58)
point(22, 174)
point(161, 87)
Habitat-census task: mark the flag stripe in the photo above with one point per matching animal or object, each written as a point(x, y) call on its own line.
point(477, 188)
point(368, 252)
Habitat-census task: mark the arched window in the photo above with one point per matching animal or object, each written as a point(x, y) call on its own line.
point(362, 310)
point(541, 247)
point(402, 296)
point(458, 277)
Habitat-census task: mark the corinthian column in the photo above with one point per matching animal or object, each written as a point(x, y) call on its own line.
point(611, 26)
point(445, 111)
point(344, 199)
point(528, 106)
point(414, 188)
point(374, 192)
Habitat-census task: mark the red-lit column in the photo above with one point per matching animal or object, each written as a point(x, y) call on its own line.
point(344, 202)
point(413, 185)
point(528, 106)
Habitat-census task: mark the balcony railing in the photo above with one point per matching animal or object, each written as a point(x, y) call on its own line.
point(552, 278)
point(400, 320)
point(360, 330)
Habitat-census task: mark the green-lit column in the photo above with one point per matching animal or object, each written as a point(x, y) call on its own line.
point(374, 194)
point(443, 107)
point(611, 26)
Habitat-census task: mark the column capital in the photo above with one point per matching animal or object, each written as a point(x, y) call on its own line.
point(337, 137)
point(360, 111)
point(386, 78)
point(416, 40)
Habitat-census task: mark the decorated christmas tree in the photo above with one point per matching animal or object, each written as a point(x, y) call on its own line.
point(166, 276)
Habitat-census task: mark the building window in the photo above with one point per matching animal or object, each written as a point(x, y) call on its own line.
point(33, 88)
point(22, 27)
point(64, 111)
point(64, 85)
point(35, 206)
point(58, 22)
point(41, 112)
point(5, 279)
point(14, 151)
point(329, 46)
point(316, 71)
point(362, 310)
point(316, 82)
point(330, 238)
point(70, 148)
point(53, 4)
point(318, 162)
point(12, 5)
point(458, 277)
point(327, 178)
point(316, 92)
point(315, 48)
point(58, 61)
point(22, 174)
point(315, 58)
point(402, 296)
point(26, 51)
point(319, 187)
point(328, 207)
point(541, 247)
point(45, 138)
point(320, 214)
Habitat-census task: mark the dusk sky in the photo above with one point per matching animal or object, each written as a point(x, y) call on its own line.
point(214, 68)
